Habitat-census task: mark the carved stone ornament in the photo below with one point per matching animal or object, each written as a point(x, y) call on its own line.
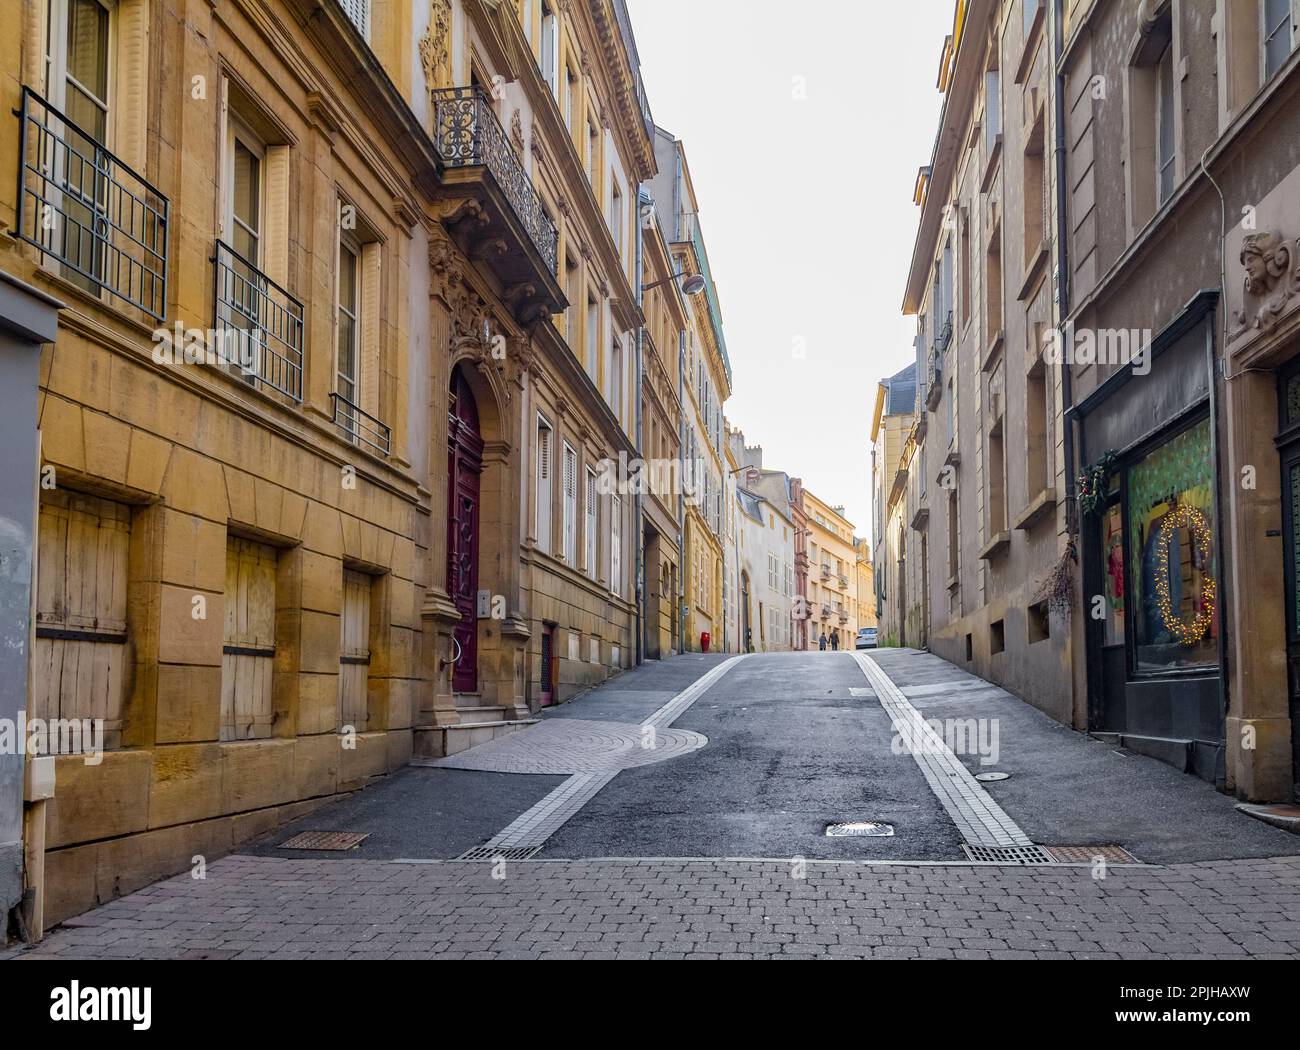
point(1270, 284)
point(517, 132)
point(435, 46)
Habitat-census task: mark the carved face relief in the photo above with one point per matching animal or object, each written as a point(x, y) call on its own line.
point(1270, 284)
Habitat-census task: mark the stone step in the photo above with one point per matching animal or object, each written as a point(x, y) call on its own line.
point(436, 742)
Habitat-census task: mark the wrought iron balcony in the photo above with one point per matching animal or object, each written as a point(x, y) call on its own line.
point(360, 427)
point(826, 572)
point(467, 134)
point(260, 325)
point(89, 212)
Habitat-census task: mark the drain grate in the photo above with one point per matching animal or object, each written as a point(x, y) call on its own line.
point(860, 828)
point(1090, 854)
point(334, 841)
point(1008, 854)
point(495, 853)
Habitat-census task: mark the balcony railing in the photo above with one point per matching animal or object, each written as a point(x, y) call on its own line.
point(84, 208)
point(468, 134)
point(258, 322)
point(360, 427)
point(826, 572)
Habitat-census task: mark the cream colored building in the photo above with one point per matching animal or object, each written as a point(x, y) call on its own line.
point(832, 574)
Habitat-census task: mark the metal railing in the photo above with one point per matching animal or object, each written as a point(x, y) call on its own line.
point(83, 207)
point(360, 427)
point(467, 134)
point(259, 323)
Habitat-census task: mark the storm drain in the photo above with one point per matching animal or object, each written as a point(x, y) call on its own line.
point(333, 841)
point(1091, 854)
point(495, 853)
point(1008, 854)
point(860, 829)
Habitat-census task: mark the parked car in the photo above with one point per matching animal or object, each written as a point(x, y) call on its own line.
point(866, 638)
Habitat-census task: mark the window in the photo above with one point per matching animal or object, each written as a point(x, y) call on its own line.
point(997, 637)
point(1035, 172)
point(1039, 469)
point(992, 109)
point(967, 251)
point(1031, 10)
point(1039, 622)
point(246, 195)
point(572, 292)
point(615, 377)
point(545, 498)
point(348, 330)
point(590, 535)
point(248, 641)
point(1277, 35)
point(993, 287)
point(81, 587)
point(589, 153)
point(1172, 544)
point(550, 45)
point(616, 218)
point(952, 536)
point(616, 545)
point(593, 335)
point(1166, 150)
point(570, 481)
point(358, 12)
point(570, 99)
point(354, 651)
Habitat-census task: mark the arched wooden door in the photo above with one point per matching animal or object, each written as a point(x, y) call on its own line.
point(464, 466)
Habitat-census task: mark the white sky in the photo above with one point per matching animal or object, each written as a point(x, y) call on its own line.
point(806, 205)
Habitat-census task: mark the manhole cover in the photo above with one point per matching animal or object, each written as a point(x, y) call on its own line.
point(990, 778)
point(860, 828)
point(1008, 854)
point(326, 840)
point(495, 853)
point(1091, 854)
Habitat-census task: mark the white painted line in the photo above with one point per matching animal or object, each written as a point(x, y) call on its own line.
point(981, 821)
point(538, 823)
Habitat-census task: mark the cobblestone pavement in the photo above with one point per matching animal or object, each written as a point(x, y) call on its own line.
point(262, 907)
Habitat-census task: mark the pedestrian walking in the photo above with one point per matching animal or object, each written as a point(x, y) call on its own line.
point(821, 642)
point(835, 640)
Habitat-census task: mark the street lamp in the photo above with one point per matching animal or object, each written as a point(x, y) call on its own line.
point(693, 284)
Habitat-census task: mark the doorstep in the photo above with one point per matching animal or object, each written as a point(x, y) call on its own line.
point(435, 742)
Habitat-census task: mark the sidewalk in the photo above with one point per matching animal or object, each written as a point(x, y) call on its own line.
point(1067, 787)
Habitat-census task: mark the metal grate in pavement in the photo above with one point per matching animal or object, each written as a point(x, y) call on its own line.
point(1030, 854)
point(334, 841)
point(1091, 854)
point(860, 829)
point(495, 853)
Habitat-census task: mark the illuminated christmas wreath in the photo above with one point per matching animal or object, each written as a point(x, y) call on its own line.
point(1184, 516)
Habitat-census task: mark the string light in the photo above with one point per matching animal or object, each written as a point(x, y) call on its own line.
point(1184, 516)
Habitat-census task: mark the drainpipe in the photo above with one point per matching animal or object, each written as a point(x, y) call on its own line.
point(642, 200)
point(1062, 252)
point(681, 497)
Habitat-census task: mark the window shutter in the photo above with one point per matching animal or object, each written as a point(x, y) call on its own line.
point(570, 505)
point(590, 556)
point(544, 499)
point(616, 546)
point(358, 12)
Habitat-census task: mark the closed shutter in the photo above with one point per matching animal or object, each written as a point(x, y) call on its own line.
point(248, 643)
point(570, 506)
point(354, 651)
point(592, 517)
point(358, 12)
point(83, 544)
point(545, 468)
point(616, 546)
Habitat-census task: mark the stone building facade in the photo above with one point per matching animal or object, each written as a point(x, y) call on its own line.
point(832, 576)
point(981, 284)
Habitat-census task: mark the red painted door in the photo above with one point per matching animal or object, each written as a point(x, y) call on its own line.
point(464, 465)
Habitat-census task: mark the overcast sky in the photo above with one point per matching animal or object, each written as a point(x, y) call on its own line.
point(806, 204)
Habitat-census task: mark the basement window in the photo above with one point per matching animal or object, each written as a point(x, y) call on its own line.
point(1040, 623)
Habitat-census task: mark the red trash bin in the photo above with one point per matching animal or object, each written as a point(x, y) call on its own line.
point(704, 641)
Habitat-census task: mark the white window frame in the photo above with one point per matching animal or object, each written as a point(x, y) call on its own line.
point(591, 536)
point(569, 491)
point(550, 46)
point(616, 545)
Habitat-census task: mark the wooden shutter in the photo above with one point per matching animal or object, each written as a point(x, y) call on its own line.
point(545, 504)
point(570, 505)
point(83, 545)
point(354, 651)
point(591, 537)
point(248, 642)
point(616, 546)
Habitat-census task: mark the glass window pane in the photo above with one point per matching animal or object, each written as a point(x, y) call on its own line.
point(1174, 576)
point(247, 192)
point(1112, 546)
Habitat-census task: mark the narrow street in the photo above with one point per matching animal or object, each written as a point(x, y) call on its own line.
point(682, 808)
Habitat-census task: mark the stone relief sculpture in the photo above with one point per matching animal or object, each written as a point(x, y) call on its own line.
point(1271, 282)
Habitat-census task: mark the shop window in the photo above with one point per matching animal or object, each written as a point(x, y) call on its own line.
point(1112, 546)
point(1172, 547)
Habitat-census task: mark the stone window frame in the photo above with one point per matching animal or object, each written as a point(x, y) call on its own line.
point(1159, 34)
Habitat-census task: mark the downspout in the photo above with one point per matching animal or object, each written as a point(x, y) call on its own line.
point(642, 199)
point(1063, 254)
point(681, 497)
